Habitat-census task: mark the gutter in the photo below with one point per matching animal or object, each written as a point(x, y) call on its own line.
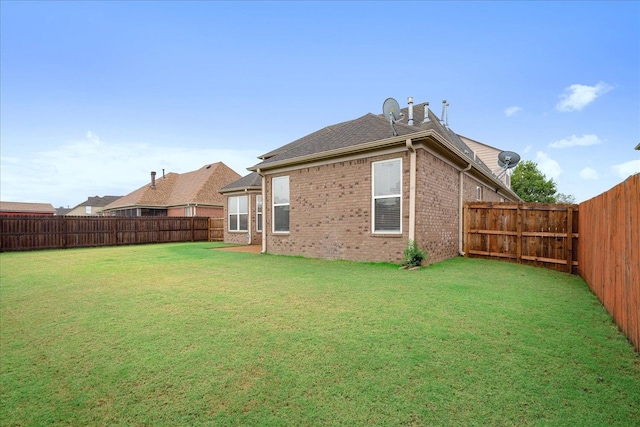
point(460, 207)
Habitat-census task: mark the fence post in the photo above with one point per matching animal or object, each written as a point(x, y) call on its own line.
point(519, 232)
point(569, 245)
point(465, 243)
point(65, 232)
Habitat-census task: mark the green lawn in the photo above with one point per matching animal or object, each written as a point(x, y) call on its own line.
point(182, 334)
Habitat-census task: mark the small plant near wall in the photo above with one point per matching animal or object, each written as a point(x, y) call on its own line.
point(413, 256)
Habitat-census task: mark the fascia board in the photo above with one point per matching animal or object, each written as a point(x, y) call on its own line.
point(237, 189)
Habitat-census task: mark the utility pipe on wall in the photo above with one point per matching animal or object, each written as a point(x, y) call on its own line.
point(460, 208)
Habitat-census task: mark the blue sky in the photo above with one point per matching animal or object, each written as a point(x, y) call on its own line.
point(95, 95)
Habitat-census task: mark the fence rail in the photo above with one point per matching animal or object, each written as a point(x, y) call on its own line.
point(529, 233)
point(609, 253)
point(24, 233)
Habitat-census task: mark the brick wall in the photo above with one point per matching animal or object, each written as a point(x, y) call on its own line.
point(330, 210)
point(240, 237)
point(437, 207)
point(330, 214)
point(211, 212)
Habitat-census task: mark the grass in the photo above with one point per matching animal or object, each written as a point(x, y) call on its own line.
point(180, 334)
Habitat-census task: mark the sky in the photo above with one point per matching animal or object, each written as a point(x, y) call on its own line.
point(96, 95)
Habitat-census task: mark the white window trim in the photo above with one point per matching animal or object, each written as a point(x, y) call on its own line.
point(374, 198)
point(259, 213)
point(237, 214)
point(478, 193)
point(274, 205)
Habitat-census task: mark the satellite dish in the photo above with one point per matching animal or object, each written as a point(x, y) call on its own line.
point(508, 159)
point(391, 111)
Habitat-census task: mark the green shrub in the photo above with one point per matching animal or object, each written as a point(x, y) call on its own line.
point(413, 256)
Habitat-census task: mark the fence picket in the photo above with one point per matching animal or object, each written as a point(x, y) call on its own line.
point(24, 233)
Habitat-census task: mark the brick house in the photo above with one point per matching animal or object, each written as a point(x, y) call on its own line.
point(192, 193)
point(25, 208)
point(243, 210)
point(360, 190)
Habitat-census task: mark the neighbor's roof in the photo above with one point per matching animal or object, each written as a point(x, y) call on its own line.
point(98, 201)
point(253, 181)
point(200, 186)
point(27, 207)
point(366, 129)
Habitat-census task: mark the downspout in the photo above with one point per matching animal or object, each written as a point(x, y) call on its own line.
point(460, 207)
point(412, 189)
point(264, 216)
point(249, 216)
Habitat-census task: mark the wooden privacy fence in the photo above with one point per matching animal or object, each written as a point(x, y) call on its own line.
point(609, 253)
point(216, 229)
point(24, 233)
point(528, 233)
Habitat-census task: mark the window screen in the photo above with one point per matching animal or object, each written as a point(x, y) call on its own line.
point(387, 197)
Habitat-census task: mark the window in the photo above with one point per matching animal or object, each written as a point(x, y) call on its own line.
point(280, 204)
point(479, 194)
point(387, 196)
point(187, 211)
point(87, 210)
point(258, 213)
point(238, 213)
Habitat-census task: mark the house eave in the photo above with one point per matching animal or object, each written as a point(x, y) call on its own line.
point(236, 189)
point(353, 149)
point(416, 137)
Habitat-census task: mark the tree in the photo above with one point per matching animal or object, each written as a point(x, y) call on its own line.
point(566, 198)
point(531, 184)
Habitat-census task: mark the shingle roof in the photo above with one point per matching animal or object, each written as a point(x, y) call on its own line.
point(27, 207)
point(200, 186)
point(98, 201)
point(251, 181)
point(366, 129)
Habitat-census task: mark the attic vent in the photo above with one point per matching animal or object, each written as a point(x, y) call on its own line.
point(208, 166)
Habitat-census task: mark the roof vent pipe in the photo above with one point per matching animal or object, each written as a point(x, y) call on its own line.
point(446, 115)
point(426, 113)
point(153, 180)
point(410, 102)
point(444, 110)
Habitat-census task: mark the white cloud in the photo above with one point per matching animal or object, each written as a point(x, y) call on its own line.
point(578, 96)
point(527, 149)
point(71, 172)
point(627, 169)
point(549, 167)
point(588, 173)
point(512, 111)
point(573, 140)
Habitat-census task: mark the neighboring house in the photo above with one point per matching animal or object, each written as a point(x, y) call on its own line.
point(489, 155)
point(188, 194)
point(62, 211)
point(92, 206)
point(243, 210)
point(30, 209)
point(355, 191)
